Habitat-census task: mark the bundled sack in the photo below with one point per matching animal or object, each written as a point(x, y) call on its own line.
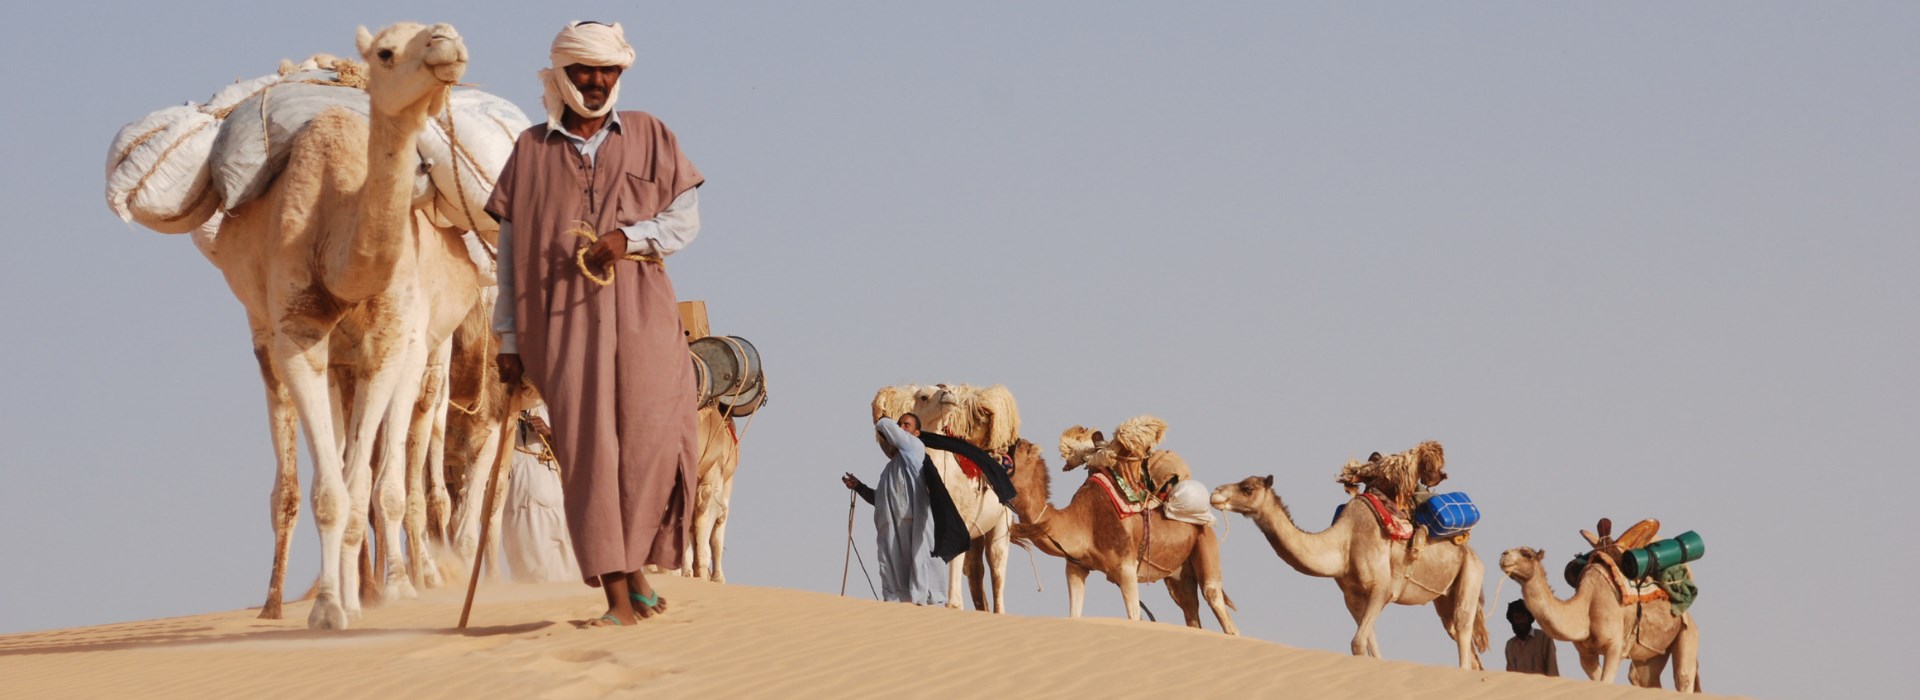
point(157, 170)
point(1447, 515)
point(464, 149)
point(1190, 502)
point(257, 136)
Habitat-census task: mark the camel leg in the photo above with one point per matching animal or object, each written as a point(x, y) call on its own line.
point(466, 533)
point(1610, 663)
point(1364, 643)
point(719, 544)
point(1185, 591)
point(976, 565)
point(1646, 674)
point(1206, 567)
point(284, 426)
point(1076, 589)
point(302, 372)
point(955, 575)
point(419, 444)
point(1686, 658)
point(1590, 662)
point(399, 423)
point(1128, 579)
point(997, 550)
point(706, 511)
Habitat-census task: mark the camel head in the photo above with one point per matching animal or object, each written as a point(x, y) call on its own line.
point(1246, 496)
point(410, 67)
point(1521, 563)
point(1078, 445)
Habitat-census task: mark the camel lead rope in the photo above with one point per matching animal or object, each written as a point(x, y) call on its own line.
point(583, 230)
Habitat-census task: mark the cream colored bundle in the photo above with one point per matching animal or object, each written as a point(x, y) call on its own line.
point(464, 149)
point(157, 170)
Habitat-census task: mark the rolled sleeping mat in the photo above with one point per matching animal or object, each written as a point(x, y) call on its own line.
point(1659, 556)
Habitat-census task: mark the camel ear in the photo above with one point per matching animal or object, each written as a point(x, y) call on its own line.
point(1098, 438)
point(363, 41)
point(1537, 554)
point(1269, 481)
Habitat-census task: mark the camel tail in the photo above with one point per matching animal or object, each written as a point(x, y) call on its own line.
point(1480, 630)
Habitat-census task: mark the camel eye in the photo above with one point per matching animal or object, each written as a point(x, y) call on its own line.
point(1245, 489)
point(386, 55)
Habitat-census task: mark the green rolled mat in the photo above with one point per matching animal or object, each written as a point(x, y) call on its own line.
point(1652, 559)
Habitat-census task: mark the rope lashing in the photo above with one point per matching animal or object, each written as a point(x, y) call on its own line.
point(584, 230)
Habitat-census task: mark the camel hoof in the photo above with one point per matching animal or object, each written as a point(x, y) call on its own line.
point(270, 611)
point(400, 588)
point(326, 615)
point(719, 577)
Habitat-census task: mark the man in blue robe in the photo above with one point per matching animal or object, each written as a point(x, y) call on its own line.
point(902, 514)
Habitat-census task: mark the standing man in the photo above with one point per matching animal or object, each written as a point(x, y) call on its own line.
point(609, 358)
point(1530, 650)
point(902, 513)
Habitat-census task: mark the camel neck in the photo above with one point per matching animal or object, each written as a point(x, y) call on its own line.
point(1322, 554)
point(1565, 620)
point(378, 245)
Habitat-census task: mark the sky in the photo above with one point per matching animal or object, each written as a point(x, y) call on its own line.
point(1627, 260)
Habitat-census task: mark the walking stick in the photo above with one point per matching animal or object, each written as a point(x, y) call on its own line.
point(848, 558)
point(486, 513)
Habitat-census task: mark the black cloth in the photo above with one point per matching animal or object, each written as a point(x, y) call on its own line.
point(990, 469)
point(950, 538)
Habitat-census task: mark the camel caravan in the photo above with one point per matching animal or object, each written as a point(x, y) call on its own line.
point(341, 199)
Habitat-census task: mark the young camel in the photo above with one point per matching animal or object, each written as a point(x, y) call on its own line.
point(327, 265)
point(1091, 536)
point(719, 459)
point(1604, 630)
point(1370, 569)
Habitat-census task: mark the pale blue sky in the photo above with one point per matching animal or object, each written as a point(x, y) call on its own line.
point(1632, 260)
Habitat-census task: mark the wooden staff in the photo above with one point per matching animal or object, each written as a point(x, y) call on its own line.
point(486, 514)
point(848, 559)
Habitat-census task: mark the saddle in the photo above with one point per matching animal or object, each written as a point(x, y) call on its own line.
point(1606, 555)
point(1399, 528)
point(1121, 504)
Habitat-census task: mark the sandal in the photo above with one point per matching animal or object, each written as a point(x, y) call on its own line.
point(653, 604)
point(614, 621)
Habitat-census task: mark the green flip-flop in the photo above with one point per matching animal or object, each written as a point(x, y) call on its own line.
point(609, 618)
point(651, 603)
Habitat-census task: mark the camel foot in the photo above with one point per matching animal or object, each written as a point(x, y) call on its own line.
point(326, 615)
point(719, 577)
point(399, 587)
point(431, 577)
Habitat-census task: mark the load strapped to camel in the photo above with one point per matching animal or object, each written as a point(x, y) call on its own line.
point(1404, 480)
point(1640, 568)
point(177, 169)
point(1135, 475)
point(726, 368)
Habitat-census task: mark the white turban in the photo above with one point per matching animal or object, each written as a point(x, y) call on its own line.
point(586, 43)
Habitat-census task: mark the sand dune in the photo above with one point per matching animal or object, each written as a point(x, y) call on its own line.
point(718, 641)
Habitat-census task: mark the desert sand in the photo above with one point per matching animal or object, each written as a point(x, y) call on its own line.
point(716, 641)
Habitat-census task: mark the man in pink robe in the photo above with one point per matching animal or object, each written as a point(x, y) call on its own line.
point(611, 361)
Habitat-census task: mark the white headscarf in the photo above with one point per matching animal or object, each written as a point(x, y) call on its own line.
point(586, 43)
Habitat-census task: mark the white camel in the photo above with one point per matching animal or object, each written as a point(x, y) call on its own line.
point(328, 265)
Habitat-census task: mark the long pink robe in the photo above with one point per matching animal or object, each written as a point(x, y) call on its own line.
point(611, 361)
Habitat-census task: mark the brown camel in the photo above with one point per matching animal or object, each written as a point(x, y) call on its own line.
point(1091, 536)
point(1604, 630)
point(1370, 569)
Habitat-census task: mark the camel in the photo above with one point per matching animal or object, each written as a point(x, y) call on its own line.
point(1604, 630)
point(988, 418)
point(1091, 536)
point(328, 265)
point(719, 459)
point(1371, 570)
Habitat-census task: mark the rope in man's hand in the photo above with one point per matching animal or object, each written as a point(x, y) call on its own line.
point(581, 229)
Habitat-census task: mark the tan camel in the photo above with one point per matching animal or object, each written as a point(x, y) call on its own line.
point(1604, 630)
point(1370, 569)
point(1091, 536)
point(719, 459)
point(327, 264)
point(989, 418)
